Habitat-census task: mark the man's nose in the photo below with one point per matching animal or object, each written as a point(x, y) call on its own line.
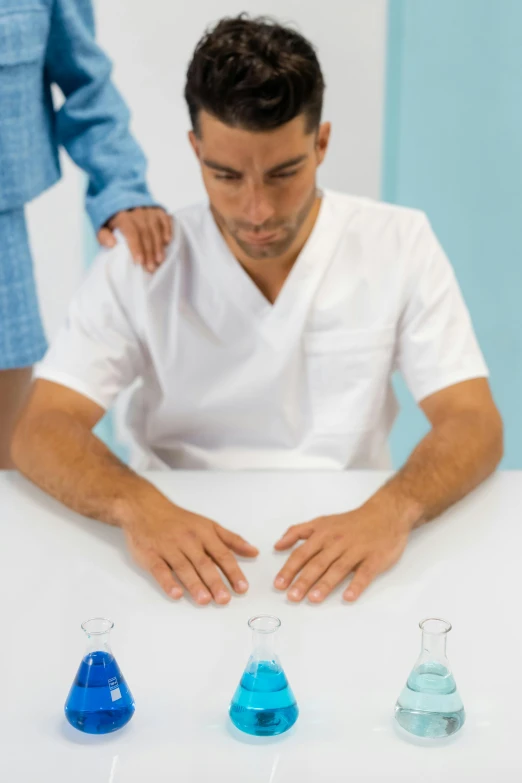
point(258, 209)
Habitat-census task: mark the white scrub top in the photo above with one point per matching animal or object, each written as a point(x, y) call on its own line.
point(222, 379)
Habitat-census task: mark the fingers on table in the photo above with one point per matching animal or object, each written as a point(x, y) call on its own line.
point(323, 572)
point(315, 572)
point(163, 575)
point(296, 561)
point(364, 575)
point(186, 570)
point(318, 586)
point(228, 564)
point(201, 567)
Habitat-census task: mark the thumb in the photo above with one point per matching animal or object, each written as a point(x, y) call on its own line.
point(106, 237)
point(294, 534)
point(236, 543)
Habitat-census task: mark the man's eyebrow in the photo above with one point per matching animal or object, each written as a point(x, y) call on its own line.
point(287, 164)
point(212, 164)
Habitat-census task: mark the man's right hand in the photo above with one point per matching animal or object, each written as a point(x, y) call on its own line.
point(195, 549)
point(53, 445)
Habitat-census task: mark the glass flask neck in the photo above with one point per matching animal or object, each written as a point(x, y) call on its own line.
point(98, 631)
point(434, 636)
point(264, 634)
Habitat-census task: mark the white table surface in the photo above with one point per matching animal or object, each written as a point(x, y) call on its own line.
point(345, 663)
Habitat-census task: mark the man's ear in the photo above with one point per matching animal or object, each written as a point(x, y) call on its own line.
point(194, 143)
point(322, 141)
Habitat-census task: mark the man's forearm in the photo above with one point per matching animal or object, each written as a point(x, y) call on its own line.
point(453, 458)
point(64, 458)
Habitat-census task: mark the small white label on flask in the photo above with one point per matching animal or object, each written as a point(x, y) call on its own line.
point(114, 688)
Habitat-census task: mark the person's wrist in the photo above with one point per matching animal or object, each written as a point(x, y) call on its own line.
point(124, 513)
point(136, 501)
point(403, 512)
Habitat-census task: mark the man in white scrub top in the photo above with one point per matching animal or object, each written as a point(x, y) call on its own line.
point(267, 339)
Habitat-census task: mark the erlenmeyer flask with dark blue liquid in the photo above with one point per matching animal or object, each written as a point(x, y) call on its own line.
point(263, 704)
point(99, 700)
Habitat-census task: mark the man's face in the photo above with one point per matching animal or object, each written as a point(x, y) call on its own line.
point(261, 185)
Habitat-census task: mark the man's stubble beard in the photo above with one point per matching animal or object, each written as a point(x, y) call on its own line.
point(272, 250)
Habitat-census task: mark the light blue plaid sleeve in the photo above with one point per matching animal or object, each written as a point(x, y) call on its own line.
point(93, 123)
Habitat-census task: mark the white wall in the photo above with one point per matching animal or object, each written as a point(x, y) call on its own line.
point(151, 66)
point(151, 44)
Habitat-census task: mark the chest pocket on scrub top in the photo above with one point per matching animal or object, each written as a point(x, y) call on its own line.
point(348, 374)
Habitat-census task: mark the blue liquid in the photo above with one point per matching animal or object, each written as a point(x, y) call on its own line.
point(99, 701)
point(429, 705)
point(263, 704)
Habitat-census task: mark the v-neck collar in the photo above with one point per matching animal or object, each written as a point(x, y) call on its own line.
point(302, 280)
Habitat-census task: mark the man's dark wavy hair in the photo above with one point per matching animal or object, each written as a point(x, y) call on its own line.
point(254, 74)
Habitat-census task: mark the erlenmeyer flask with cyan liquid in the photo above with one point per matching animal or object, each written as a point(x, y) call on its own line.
point(263, 704)
point(99, 700)
point(430, 705)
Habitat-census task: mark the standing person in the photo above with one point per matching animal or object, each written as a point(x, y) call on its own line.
point(43, 43)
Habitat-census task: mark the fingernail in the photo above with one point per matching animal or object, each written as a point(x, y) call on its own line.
point(202, 596)
point(222, 596)
point(159, 258)
point(139, 259)
point(242, 586)
point(349, 595)
point(294, 594)
point(315, 595)
point(176, 592)
point(280, 581)
point(150, 268)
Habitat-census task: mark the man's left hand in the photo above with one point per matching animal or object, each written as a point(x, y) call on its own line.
point(147, 230)
point(366, 541)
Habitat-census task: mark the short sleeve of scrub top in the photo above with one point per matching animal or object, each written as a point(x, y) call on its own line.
point(98, 352)
point(437, 346)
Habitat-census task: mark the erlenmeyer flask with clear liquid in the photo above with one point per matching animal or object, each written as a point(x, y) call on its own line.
point(99, 700)
point(430, 705)
point(263, 704)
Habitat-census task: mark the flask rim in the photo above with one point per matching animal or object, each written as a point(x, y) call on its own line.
point(264, 623)
point(97, 626)
point(435, 626)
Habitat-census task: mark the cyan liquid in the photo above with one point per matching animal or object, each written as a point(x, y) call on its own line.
point(99, 701)
point(429, 705)
point(263, 704)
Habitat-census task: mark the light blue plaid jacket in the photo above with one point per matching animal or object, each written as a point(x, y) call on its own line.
point(52, 41)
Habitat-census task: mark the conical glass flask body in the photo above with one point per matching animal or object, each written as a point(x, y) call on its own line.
point(99, 700)
point(263, 704)
point(430, 705)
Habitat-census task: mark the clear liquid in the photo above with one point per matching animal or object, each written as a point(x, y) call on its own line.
point(429, 705)
point(263, 704)
point(99, 700)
